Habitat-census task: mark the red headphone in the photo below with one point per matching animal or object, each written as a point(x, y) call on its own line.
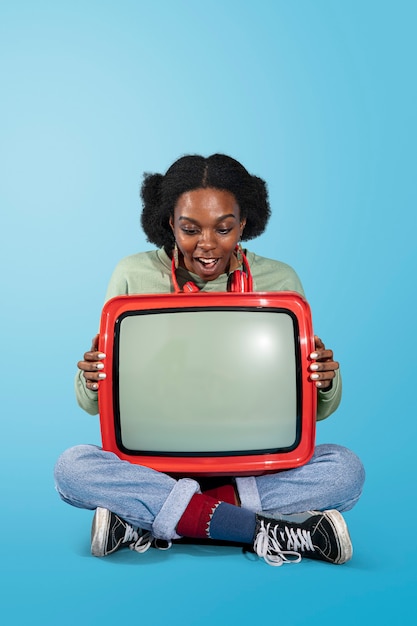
point(238, 281)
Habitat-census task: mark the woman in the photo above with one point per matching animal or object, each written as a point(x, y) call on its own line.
point(197, 214)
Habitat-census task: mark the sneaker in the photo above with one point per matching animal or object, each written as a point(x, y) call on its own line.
point(313, 535)
point(110, 532)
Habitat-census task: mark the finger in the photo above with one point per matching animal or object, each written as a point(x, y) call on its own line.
point(94, 344)
point(323, 385)
point(319, 345)
point(322, 380)
point(93, 385)
point(94, 356)
point(94, 377)
point(324, 366)
point(90, 366)
point(92, 361)
point(322, 355)
point(325, 355)
point(326, 375)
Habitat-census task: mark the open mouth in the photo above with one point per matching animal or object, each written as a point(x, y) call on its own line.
point(207, 264)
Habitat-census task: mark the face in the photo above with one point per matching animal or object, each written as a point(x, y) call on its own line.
point(207, 227)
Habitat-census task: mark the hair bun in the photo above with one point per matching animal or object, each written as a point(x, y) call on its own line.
point(151, 189)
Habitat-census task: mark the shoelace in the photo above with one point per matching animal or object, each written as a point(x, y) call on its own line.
point(299, 539)
point(141, 541)
point(267, 545)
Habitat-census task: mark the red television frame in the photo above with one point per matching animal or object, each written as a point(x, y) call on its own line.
point(236, 464)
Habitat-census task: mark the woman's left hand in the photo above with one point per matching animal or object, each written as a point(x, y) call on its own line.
point(323, 370)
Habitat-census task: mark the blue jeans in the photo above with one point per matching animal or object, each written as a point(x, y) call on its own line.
point(88, 477)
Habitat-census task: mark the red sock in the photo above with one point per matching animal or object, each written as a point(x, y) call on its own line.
point(195, 520)
point(208, 518)
point(225, 493)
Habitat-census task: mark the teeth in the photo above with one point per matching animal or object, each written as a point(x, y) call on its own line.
point(207, 261)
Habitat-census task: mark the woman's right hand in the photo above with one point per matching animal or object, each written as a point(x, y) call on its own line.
point(93, 366)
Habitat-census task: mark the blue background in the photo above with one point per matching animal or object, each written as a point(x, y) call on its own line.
point(318, 98)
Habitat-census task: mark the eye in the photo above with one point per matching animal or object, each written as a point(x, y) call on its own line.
point(189, 231)
point(224, 231)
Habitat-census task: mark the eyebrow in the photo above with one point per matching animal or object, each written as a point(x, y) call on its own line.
point(223, 217)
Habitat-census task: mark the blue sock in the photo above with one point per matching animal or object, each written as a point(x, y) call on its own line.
point(231, 523)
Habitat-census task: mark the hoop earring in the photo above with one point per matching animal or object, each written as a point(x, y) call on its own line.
point(239, 253)
point(175, 255)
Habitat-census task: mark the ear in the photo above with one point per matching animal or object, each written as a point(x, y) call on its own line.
point(242, 225)
point(171, 222)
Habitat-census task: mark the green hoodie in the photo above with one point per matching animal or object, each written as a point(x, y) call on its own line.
point(150, 272)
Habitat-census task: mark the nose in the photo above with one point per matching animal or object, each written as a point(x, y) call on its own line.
point(207, 240)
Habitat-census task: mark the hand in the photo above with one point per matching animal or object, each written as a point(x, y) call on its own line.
point(324, 367)
point(93, 366)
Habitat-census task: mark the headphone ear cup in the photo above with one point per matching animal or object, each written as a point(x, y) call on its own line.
point(238, 282)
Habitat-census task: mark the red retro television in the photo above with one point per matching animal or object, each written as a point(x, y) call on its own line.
point(208, 383)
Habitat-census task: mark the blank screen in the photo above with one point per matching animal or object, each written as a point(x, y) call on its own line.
point(206, 381)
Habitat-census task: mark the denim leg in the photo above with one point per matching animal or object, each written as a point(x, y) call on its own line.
point(332, 479)
point(88, 477)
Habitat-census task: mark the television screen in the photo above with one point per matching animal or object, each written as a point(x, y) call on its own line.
point(208, 383)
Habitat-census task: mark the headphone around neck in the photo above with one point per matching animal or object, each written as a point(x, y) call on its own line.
point(239, 280)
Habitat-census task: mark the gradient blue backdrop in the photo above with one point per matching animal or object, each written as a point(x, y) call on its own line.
point(317, 97)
